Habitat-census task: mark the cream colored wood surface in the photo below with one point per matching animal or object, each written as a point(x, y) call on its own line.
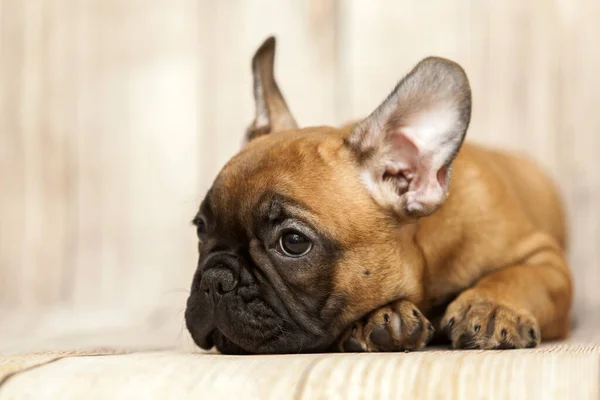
point(115, 115)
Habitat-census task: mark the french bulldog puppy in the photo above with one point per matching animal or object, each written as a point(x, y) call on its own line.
point(353, 239)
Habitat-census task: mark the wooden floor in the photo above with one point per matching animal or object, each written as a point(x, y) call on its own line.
point(115, 115)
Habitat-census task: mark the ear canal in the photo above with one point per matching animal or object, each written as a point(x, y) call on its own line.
point(406, 146)
point(272, 112)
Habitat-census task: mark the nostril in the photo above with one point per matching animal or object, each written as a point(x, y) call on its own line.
point(225, 281)
point(218, 282)
point(226, 286)
point(220, 288)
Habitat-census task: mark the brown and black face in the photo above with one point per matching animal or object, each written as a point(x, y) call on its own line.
point(302, 232)
point(265, 276)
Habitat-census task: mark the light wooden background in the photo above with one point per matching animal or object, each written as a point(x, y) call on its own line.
point(115, 115)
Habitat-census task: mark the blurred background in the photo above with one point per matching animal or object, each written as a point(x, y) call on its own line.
point(115, 116)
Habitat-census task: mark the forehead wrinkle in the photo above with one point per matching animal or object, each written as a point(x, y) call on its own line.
point(282, 207)
point(274, 206)
point(275, 210)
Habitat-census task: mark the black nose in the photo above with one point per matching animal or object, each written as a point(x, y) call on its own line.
point(218, 281)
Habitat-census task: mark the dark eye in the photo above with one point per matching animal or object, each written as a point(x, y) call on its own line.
point(200, 226)
point(294, 244)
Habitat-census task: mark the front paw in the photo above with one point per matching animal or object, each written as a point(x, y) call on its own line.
point(473, 323)
point(396, 327)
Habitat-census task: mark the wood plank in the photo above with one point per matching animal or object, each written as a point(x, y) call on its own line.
point(12, 156)
point(138, 150)
point(37, 201)
point(579, 142)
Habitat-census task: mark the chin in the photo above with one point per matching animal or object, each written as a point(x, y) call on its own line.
point(286, 343)
point(244, 333)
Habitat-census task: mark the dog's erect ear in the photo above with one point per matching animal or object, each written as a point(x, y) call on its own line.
point(272, 112)
point(405, 147)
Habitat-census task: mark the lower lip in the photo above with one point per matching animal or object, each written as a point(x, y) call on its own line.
point(209, 341)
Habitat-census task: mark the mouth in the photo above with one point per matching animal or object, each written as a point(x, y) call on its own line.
point(239, 344)
point(235, 326)
point(223, 345)
point(233, 334)
point(248, 319)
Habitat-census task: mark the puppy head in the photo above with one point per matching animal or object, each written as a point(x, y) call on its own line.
point(306, 230)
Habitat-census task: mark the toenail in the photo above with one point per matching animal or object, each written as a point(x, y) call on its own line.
point(352, 345)
point(451, 322)
point(429, 326)
point(477, 328)
point(532, 334)
point(504, 345)
point(467, 341)
point(415, 313)
point(386, 318)
point(503, 333)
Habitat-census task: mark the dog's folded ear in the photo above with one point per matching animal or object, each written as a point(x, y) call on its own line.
point(272, 112)
point(406, 146)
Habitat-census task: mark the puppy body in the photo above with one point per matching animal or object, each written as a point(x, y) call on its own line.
point(500, 233)
point(397, 252)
